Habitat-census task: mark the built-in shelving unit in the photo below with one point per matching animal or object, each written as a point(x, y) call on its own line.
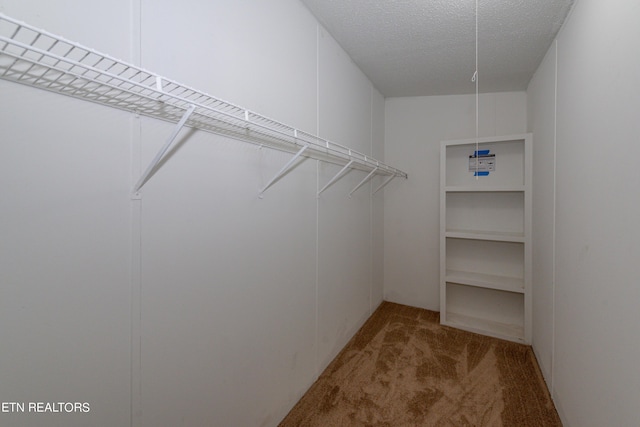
point(37, 58)
point(485, 236)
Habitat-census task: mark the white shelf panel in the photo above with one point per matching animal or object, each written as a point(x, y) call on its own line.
point(486, 213)
point(476, 189)
point(489, 281)
point(484, 257)
point(494, 236)
point(494, 140)
point(504, 331)
point(40, 59)
point(509, 164)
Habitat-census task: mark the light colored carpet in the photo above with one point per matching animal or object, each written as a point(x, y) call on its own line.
point(403, 369)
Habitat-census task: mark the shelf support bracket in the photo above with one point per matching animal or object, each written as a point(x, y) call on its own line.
point(163, 150)
point(284, 170)
point(384, 184)
point(364, 181)
point(336, 177)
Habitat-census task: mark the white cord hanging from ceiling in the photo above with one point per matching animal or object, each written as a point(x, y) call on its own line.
point(475, 79)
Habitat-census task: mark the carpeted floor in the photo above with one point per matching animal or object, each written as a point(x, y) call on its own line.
point(403, 369)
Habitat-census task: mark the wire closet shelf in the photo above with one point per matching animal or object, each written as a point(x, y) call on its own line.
point(37, 58)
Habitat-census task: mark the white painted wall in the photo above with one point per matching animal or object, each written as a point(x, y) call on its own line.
point(64, 226)
point(377, 209)
point(344, 225)
point(594, 373)
point(541, 111)
point(201, 304)
point(414, 127)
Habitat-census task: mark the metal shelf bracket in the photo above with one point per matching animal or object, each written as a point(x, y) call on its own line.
point(337, 176)
point(384, 184)
point(156, 160)
point(284, 170)
point(364, 181)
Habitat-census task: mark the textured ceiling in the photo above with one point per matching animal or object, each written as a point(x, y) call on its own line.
point(427, 47)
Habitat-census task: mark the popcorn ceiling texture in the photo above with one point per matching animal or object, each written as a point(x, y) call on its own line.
point(427, 47)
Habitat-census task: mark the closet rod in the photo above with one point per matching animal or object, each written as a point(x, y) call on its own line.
point(37, 58)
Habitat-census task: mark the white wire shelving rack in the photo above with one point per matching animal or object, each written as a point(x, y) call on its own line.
point(37, 58)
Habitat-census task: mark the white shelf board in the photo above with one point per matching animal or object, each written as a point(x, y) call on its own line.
point(476, 189)
point(488, 140)
point(496, 236)
point(489, 281)
point(485, 327)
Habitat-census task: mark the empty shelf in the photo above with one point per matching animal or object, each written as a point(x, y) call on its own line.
point(490, 281)
point(496, 236)
point(505, 331)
